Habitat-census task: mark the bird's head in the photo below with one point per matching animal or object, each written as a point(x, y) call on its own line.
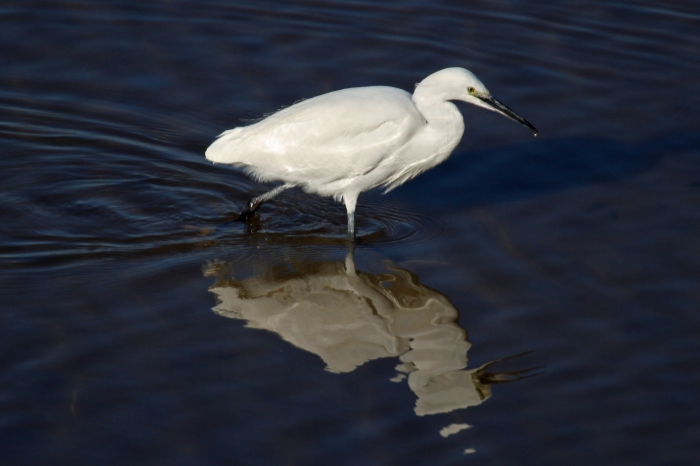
point(461, 84)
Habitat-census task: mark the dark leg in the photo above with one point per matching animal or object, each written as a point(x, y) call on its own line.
point(254, 204)
point(249, 210)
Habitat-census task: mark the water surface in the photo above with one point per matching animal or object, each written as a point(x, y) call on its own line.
point(529, 301)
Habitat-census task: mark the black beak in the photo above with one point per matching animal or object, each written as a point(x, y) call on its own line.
point(502, 109)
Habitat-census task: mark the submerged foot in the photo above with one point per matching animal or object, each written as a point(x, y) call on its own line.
point(249, 210)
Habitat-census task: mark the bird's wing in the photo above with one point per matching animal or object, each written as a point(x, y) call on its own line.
point(334, 136)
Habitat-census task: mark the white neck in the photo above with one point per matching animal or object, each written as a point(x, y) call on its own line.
point(442, 116)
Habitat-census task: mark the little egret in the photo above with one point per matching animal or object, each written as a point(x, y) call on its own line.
point(349, 141)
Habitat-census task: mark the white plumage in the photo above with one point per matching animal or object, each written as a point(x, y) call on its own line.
point(345, 142)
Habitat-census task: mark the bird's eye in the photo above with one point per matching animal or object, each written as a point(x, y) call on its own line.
point(471, 90)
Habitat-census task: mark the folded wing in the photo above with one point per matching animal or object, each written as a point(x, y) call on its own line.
point(340, 135)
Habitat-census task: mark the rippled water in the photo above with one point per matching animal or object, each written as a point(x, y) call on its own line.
point(530, 301)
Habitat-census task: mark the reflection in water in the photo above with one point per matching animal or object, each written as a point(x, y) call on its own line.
point(348, 318)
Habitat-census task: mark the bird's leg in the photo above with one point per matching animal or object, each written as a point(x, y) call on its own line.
point(350, 199)
point(351, 227)
point(254, 204)
point(249, 210)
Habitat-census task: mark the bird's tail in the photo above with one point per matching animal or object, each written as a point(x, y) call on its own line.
point(221, 150)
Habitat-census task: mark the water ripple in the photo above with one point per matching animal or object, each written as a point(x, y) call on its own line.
point(105, 188)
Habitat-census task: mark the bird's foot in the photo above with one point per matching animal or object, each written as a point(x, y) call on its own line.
point(249, 210)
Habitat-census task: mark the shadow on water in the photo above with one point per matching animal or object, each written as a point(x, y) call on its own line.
point(348, 317)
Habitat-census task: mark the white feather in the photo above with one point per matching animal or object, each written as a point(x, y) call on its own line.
point(345, 142)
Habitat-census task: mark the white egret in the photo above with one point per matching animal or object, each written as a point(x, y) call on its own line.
point(349, 141)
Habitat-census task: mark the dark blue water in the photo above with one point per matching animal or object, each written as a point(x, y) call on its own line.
point(529, 301)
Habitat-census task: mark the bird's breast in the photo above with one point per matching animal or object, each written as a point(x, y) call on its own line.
point(428, 148)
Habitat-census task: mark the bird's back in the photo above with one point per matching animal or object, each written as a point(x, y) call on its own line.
point(339, 135)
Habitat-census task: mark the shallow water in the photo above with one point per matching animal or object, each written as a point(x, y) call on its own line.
point(529, 301)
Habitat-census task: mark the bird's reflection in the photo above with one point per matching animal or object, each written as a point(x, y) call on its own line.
point(348, 317)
